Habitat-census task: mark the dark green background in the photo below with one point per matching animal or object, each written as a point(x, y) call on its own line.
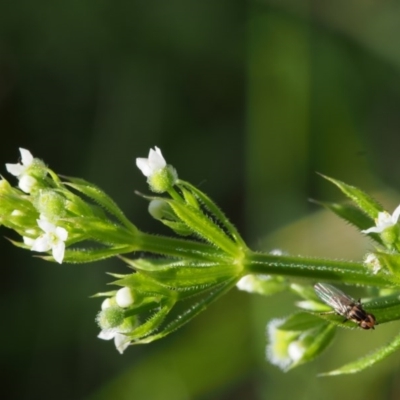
point(247, 100)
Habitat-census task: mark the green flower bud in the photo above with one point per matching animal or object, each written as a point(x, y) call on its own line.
point(110, 317)
point(162, 180)
point(296, 340)
point(161, 210)
point(51, 204)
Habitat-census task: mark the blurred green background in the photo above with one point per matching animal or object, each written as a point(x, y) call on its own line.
point(248, 100)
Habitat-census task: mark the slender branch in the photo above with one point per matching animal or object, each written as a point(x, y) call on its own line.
point(314, 268)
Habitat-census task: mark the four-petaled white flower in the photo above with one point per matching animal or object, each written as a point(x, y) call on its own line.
point(19, 169)
point(155, 162)
point(121, 341)
point(384, 221)
point(371, 260)
point(53, 238)
point(26, 182)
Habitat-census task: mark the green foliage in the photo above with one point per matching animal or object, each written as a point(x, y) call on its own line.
point(164, 293)
point(367, 361)
point(362, 200)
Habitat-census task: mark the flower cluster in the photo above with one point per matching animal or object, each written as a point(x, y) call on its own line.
point(191, 271)
point(25, 212)
point(291, 342)
point(112, 318)
point(73, 221)
point(51, 215)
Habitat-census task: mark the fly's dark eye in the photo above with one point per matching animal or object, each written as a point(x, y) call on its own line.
point(369, 322)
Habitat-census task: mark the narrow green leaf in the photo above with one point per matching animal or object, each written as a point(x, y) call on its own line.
point(148, 304)
point(300, 321)
point(105, 294)
point(195, 277)
point(16, 243)
point(337, 320)
point(145, 286)
point(77, 206)
point(178, 227)
point(190, 313)
point(215, 211)
point(153, 322)
point(190, 198)
point(202, 225)
point(318, 340)
point(367, 361)
point(156, 264)
point(385, 308)
point(306, 292)
point(179, 248)
point(366, 203)
point(389, 261)
point(354, 216)
point(100, 197)
point(184, 274)
point(317, 270)
point(79, 256)
point(104, 232)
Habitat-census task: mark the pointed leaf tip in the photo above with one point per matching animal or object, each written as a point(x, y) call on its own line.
point(366, 361)
point(363, 201)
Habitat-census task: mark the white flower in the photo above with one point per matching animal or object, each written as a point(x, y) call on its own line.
point(384, 221)
point(371, 260)
point(246, 283)
point(106, 304)
point(296, 350)
point(26, 182)
point(124, 297)
point(54, 238)
point(121, 341)
point(155, 162)
point(28, 241)
point(277, 350)
point(20, 169)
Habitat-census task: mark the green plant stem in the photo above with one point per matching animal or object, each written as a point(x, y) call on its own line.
point(175, 195)
point(315, 269)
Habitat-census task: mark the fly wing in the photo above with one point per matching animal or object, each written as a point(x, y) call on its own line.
point(334, 297)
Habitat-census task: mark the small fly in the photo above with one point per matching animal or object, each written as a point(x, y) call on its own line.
point(345, 305)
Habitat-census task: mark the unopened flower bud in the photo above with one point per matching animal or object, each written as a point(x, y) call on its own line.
point(51, 204)
point(106, 304)
point(160, 209)
point(124, 297)
point(110, 317)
